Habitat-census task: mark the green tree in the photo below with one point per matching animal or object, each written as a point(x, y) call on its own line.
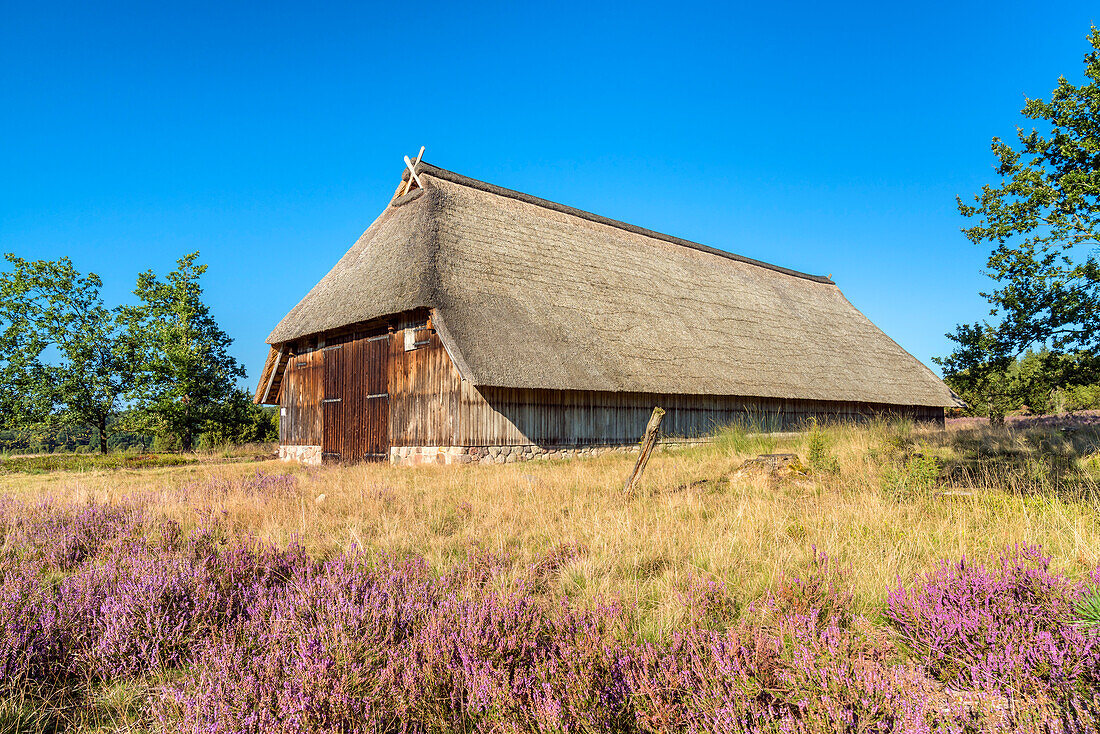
point(239, 421)
point(21, 345)
point(979, 372)
point(1042, 222)
point(185, 373)
point(66, 361)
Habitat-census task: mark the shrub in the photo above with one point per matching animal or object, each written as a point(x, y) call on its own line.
point(816, 594)
point(135, 614)
point(1005, 627)
point(256, 639)
point(708, 604)
point(819, 450)
point(918, 475)
point(32, 648)
point(803, 672)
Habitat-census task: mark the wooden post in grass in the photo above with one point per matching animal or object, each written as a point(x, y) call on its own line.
point(649, 440)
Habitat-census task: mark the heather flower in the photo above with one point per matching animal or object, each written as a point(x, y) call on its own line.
point(311, 655)
point(707, 603)
point(269, 484)
point(65, 538)
point(802, 673)
point(261, 639)
point(259, 483)
point(138, 613)
point(1007, 626)
point(32, 648)
point(818, 593)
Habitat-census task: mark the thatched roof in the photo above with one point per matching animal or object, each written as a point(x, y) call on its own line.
point(531, 294)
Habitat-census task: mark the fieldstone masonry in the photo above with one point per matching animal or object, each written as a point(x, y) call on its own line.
point(303, 454)
point(415, 455)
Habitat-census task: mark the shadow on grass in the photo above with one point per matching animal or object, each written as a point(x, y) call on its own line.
point(1063, 461)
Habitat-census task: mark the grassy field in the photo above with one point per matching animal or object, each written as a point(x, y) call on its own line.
point(885, 503)
point(87, 462)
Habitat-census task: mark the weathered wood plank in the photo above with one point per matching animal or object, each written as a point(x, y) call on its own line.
point(649, 441)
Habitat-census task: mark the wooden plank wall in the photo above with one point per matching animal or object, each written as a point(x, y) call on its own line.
point(425, 394)
point(549, 417)
point(374, 363)
point(339, 398)
point(301, 393)
point(354, 401)
point(430, 405)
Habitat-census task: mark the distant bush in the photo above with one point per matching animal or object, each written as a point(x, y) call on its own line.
point(1037, 381)
point(1074, 398)
point(237, 421)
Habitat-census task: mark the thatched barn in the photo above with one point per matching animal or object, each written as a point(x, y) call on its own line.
point(474, 323)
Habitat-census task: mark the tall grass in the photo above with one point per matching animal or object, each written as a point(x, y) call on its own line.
point(887, 500)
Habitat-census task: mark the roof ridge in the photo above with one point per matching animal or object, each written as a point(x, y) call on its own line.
point(458, 178)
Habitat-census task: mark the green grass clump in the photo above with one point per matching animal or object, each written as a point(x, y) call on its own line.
point(918, 475)
point(1088, 608)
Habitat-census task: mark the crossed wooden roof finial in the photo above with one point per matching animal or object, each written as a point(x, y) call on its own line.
point(412, 171)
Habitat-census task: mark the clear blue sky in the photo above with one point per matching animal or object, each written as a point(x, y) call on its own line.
point(824, 137)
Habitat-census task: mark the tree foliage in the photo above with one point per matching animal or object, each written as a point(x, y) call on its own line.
point(71, 368)
point(186, 373)
point(67, 361)
point(1038, 381)
point(1042, 223)
point(20, 369)
point(239, 420)
point(978, 371)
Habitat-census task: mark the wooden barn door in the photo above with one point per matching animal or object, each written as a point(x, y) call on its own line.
point(375, 358)
point(333, 423)
point(356, 411)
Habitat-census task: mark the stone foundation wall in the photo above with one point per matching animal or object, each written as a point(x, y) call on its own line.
point(303, 454)
point(417, 455)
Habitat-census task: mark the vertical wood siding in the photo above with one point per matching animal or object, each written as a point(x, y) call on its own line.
point(419, 399)
point(334, 422)
point(432, 406)
point(561, 418)
point(425, 402)
point(373, 360)
point(356, 401)
point(300, 398)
